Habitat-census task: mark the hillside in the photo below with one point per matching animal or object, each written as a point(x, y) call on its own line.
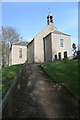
point(65, 72)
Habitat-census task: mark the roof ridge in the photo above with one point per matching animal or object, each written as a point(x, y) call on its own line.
point(59, 32)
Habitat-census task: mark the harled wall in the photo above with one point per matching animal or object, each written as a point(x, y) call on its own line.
point(56, 45)
point(38, 43)
point(15, 59)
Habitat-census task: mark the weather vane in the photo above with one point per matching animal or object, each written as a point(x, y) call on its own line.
point(49, 10)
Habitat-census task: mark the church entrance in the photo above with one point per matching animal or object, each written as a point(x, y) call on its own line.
point(55, 57)
point(59, 54)
point(65, 55)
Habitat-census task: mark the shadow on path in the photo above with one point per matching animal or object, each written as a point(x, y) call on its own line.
point(38, 98)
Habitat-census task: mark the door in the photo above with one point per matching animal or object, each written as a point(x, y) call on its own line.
point(59, 54)
point(55, 57)
point(65, 54)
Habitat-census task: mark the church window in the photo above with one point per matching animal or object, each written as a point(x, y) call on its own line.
point(20, 53)
point(61, 43)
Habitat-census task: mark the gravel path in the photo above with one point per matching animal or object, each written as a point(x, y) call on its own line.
point(39, 98)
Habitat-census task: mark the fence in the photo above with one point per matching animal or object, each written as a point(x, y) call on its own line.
point(8, 101)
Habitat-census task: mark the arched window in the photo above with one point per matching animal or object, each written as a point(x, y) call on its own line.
point(20, 53)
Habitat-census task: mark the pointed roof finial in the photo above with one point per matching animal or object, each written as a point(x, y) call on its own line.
point(49, 10)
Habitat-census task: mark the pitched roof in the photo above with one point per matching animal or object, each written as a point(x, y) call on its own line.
point(21, 43)
point(41, 32)
point(58, 32)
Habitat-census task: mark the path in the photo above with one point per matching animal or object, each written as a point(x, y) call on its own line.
point(38, 98)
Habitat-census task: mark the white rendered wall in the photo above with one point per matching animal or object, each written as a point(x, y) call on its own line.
point(15, 54)
point(38, 43)
point(56, 45)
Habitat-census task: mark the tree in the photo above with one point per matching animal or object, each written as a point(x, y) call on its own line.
point(74, 49)
point(7, 38)
point(10, 34)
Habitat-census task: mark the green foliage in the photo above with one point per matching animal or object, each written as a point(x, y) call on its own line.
point(8, 74)
point(64, 72)
point(10, 71)
point(5, 86)
point(74, 48)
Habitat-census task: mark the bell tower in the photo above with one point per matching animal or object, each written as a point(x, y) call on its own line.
point(50, 19)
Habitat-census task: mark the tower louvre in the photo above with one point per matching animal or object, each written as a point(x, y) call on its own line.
point(50, 19)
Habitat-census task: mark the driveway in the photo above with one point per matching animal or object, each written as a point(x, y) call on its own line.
point(39, 98)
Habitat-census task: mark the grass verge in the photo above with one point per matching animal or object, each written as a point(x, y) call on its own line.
point(8, 74)
point(64, 72)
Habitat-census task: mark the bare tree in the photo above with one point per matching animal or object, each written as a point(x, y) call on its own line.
point(9, 36)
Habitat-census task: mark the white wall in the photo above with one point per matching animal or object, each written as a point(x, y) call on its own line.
point(56, 45)
point(38, 43)
point(15, 54)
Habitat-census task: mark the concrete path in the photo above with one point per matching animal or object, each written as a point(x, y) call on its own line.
point(39, 98)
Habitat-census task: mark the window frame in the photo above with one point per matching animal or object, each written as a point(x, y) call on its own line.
point(61, 45)
point(20, 52)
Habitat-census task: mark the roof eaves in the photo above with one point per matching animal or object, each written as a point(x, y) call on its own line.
point(31, 42)
point(58, 32)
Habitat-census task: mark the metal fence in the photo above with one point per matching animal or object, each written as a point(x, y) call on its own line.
point(8, 101)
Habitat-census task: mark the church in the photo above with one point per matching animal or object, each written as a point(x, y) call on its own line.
point(49, 45)
point(18, 53)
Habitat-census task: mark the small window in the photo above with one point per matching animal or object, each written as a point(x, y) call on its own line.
point(20, 53)
point(61, 43)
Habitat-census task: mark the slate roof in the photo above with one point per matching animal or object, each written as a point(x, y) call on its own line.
point(58, 32)
point(21, 43)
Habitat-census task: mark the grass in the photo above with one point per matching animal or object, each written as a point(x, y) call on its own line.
point(8, 74)
point(64, 72)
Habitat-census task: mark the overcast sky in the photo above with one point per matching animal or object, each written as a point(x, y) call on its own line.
point(30, 18)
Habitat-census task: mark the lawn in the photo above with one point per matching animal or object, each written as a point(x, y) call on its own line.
point(64, 72)
point(8, 74)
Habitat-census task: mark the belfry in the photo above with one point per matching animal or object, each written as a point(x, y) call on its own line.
point(50, 19)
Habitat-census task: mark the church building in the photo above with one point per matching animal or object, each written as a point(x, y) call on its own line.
point(49, 45)
point(18, 53)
